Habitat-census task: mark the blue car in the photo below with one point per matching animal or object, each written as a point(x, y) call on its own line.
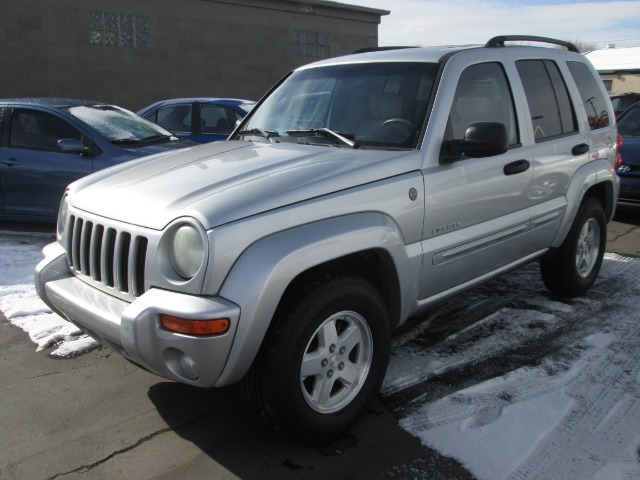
point(47, 143)
point(201, 119)
point(629, 171)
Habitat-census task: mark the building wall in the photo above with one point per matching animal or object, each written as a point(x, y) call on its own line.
point(134, 53)
point(617, 83)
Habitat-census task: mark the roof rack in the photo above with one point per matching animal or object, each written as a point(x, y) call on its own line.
point(380, 49)
point(499, 41)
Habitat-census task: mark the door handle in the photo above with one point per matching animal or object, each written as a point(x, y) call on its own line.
point(516, 167)
point(10, 162)
point(580, 149)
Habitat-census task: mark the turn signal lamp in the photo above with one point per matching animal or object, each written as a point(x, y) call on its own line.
point(216, 326)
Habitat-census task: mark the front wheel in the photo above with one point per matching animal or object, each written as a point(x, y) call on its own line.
point(572, 269)
point(322, 361)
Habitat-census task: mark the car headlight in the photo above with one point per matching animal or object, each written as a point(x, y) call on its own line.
point(62, 215)
point(184, 249)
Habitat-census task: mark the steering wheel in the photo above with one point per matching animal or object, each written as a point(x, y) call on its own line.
point(401, 121)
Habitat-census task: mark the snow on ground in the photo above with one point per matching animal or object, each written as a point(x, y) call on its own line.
point(507, 379)
point(22, 307)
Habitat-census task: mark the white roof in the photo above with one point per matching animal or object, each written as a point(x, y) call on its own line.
point(615, 59)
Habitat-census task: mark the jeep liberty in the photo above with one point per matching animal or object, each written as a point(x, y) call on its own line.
point(360, 191)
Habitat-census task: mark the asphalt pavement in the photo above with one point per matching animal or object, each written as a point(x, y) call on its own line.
point(99, 417)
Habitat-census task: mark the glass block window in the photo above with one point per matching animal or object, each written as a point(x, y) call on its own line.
point(311, 44)
point(112, 29)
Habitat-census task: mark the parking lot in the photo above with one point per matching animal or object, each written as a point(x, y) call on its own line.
point(96, 416)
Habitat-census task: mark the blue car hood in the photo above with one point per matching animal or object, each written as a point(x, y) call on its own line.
point(218, 183)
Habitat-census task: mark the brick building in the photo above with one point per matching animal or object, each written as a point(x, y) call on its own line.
point(132, 53)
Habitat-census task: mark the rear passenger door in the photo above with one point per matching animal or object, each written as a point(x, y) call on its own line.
point(476, 209)
point(559, 148)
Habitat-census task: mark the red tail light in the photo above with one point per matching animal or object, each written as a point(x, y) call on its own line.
point(618, 156)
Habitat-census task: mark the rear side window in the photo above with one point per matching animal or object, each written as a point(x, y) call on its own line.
point(592, 98)
point(552, 113)
point(175, 118)
point(217, 119)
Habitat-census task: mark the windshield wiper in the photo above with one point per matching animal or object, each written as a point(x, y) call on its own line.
point(268, 134)
point(156, 138)
point(328, 133)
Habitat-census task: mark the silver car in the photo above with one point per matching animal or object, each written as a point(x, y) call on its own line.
point(359, 191)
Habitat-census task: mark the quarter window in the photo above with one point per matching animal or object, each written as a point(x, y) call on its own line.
point(552, 113)
point(592, 98)
point(482, 95)
point(39, 130)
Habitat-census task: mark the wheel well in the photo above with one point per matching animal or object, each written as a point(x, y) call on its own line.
point(375, 266)
point(603, 192)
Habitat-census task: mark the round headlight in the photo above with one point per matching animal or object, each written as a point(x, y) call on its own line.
point(62, 216)
point(187, 251)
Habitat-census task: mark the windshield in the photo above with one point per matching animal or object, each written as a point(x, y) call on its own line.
point(629, 123)
point(370, 104)
point(118, 125)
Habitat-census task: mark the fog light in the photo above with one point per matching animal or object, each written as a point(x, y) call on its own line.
point(189, 366)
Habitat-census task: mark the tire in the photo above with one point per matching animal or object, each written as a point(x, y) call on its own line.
point(322, 361)
point(572, 269)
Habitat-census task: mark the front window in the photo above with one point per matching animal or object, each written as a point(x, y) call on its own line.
point(39, 130)
point(369, 105)
point(119, 125)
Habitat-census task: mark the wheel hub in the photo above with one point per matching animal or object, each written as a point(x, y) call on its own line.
point(336, 362)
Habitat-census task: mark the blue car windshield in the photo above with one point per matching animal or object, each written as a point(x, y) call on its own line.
point(117, 124)
point(629, 123)
point(378, 105)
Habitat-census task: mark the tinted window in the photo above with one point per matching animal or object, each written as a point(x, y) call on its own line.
point(551, 110)
point(217, 119)
point(592, 98)
point(482, 95)
point(175, 118)
point(39, 130)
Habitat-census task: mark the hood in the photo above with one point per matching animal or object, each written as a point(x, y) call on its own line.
point(218, 183)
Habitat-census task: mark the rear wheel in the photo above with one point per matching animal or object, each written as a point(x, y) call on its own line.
point(572, 269)
point(322, 361)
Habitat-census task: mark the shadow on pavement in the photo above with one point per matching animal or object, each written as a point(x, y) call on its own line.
point(221, 426)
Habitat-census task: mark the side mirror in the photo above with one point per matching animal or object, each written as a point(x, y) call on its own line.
point(71, 145)
point(483, 139)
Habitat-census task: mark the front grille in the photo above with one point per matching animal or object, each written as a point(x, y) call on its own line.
point(111, 257)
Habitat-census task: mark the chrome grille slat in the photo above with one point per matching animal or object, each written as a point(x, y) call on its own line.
point(111, 257)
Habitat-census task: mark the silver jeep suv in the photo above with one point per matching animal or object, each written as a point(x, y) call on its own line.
point(360, 191)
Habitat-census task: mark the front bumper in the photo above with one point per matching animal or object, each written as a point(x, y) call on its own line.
point(133, 330)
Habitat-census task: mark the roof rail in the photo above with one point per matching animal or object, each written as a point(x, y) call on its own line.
point(499, 41)
point(380, 49)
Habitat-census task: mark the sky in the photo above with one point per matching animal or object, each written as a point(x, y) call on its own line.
point(570, 412)
point(462, 22)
